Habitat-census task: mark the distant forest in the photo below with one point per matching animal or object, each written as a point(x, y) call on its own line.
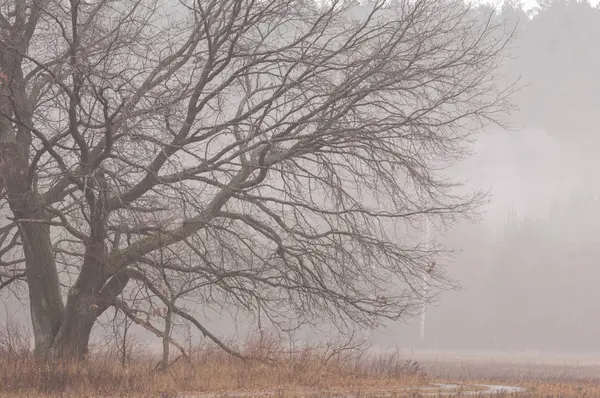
point(556, 53)
point(534, 284)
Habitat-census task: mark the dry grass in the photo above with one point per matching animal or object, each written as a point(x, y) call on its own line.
point(327, 370)
point(540, 378)
point(559, 388)
point(308, 371)
point(209, 369)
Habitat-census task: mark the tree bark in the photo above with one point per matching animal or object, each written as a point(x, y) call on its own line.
point(167, 336)
point(71, 342)
point(45, 299)
point(83, 307)
point(84, 304)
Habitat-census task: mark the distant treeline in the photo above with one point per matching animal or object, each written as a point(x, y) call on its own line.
point(533, 284)
point(556, 52)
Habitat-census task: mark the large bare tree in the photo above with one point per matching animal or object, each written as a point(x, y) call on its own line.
point(268, 155)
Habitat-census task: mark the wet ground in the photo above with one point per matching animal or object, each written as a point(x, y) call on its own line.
point(434, 390)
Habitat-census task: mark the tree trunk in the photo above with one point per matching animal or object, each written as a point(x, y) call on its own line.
point(45, 299)
point(166, 337)
point(87, 299)
point(72, 339)
point(82, 309)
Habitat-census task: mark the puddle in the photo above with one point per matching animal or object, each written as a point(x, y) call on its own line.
point(434, 390)
point(468, 389)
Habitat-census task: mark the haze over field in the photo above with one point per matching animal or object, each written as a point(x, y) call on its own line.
point(528, 266)
point(529, 269)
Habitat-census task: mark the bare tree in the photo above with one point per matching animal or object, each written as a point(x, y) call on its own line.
point(278, 151)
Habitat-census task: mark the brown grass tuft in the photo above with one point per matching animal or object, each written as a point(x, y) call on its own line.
point(274, 367)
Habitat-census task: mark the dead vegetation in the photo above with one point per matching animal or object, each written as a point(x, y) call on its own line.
point(336, 367)
point(324, 370)
point(276, 366)
point(541, 377)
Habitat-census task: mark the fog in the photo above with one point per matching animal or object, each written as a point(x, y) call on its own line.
point(529, 266)
point(528, 269)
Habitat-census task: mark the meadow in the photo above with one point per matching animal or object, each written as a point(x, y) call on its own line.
point(275, 368)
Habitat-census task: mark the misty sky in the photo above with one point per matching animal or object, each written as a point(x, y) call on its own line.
point(531, 4)
point(530, 269)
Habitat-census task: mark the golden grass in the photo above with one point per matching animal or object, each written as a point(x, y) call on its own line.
point(302, 373)
point(209, 370)
point(278, 371)
point(539, 378)
point(562, 388)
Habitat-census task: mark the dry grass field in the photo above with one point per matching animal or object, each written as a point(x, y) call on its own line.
point(277, 371)
point(542, 377)
point(273, 369)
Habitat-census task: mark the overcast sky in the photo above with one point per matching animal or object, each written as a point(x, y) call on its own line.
point(530, 4)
